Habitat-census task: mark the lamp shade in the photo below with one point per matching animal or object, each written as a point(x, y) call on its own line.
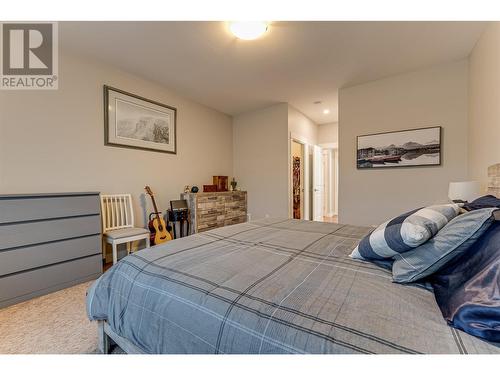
point(464, 190)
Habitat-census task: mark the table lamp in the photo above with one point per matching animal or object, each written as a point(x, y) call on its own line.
point(463, 191)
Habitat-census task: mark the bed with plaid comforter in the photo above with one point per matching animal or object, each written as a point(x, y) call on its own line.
point(269, 286)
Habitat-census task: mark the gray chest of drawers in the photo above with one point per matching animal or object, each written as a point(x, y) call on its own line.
point(47, 242)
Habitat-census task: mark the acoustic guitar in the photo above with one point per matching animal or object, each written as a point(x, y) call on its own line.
point(157, 226)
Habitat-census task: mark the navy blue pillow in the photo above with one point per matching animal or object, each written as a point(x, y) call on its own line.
point(451, 241)
point(468, 289)
point(486, 201)
point(404, 232)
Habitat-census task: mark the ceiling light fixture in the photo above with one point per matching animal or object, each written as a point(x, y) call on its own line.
point(326, 111)
point(248, 30)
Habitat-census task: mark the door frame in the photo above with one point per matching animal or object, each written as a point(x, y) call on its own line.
point(292, 137)
point(333, 147)
point(316, 172)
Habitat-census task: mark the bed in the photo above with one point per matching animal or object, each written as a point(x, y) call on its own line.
point(268, 286)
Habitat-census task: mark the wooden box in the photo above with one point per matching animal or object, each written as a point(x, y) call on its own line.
point(209, 188)
point(221, 182)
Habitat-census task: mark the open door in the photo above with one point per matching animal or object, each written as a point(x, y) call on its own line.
point(298, 180)
point(318, 184)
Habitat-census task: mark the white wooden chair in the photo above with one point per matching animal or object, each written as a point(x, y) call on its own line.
point(118, 223)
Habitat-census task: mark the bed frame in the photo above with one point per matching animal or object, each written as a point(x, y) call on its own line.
point(107, 336)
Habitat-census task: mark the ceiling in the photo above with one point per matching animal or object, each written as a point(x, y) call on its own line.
point(295, 62)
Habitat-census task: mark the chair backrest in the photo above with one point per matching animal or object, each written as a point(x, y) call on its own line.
point(117, 211)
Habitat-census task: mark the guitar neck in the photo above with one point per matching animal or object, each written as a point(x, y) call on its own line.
point(156, 208)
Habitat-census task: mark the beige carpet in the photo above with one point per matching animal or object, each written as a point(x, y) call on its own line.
point(56, 323)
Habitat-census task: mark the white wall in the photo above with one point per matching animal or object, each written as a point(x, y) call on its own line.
point(484, 104)
point(328, 133)
point(435, 96)
point(53, 141)
point(260, 149)
point(301, 126)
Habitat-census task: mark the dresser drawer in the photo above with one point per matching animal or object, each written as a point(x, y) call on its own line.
point(25, 258)
point(209, 226)
point(14, 209)
point(210, 203)
point(235, 212)
point(235, 220)
point(30, 233)
point(214, 210)
point(25, 285)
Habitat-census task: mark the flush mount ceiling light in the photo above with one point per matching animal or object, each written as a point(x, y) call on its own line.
point(326, 111)
point(248, 30)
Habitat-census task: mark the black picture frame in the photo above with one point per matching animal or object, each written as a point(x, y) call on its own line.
point(364, 163)
point(107, 90)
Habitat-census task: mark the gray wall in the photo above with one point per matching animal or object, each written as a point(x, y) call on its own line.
point(54, 140)
point(260, 148)
point(436, 96)
point(484, 104)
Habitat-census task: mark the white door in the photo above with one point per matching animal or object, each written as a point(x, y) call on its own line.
point(318, 184)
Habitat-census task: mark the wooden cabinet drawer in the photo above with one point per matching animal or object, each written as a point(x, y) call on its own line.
point(16, 209)
point(235, 220)
point(214, 210)
point(205, 227)
point(25, 285)
point(25, 258)
point(206, 203)
point(30, 233)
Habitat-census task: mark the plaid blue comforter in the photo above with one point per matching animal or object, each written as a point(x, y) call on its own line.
point(269, 286)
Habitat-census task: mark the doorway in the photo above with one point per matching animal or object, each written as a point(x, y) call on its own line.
point(324, 183)
point(330, 173)
point(318, 184)
point(298, 179)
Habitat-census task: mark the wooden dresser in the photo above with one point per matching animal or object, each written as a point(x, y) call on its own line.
point(47, 242)
point(214, 210)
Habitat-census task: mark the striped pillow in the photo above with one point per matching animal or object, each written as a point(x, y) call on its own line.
point(405, 232)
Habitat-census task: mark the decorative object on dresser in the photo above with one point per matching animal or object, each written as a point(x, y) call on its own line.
point(136, 122)
point(209, 188)
point(217, 209)
point(118, 222)
point(48, 242)
point(233, 184)
point(157, 225)
point(221, 182)
point(403, 148)
point(194, 189)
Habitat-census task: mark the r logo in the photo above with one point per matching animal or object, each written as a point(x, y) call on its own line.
point(27, 48)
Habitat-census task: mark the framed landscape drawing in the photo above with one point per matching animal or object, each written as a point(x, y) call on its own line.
point(136, 122)
point(406, 148)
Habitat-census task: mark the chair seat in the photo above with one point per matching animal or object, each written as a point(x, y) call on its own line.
point(125, 232)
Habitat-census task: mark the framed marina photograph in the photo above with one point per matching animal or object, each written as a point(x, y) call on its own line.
point(404, 148)
point(136, 122)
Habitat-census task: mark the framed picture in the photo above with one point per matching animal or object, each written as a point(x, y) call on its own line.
point(136, 122)
point(405, 148)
